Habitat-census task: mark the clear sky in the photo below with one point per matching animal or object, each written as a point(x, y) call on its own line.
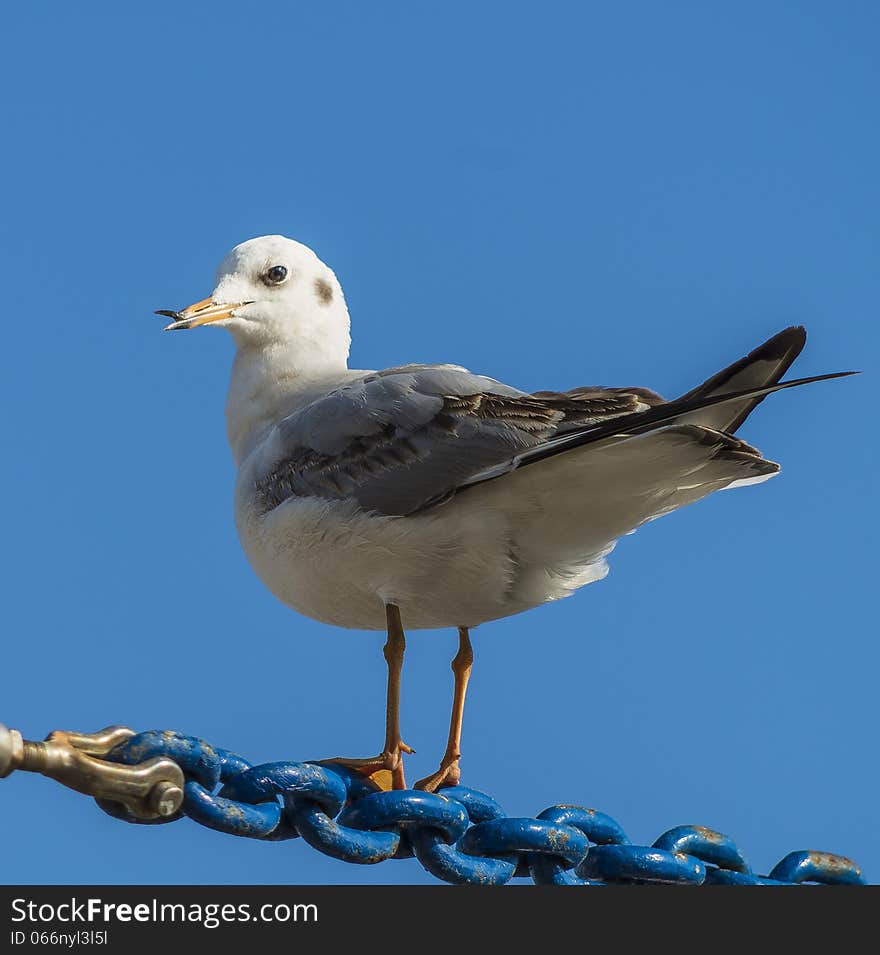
point(555, 194)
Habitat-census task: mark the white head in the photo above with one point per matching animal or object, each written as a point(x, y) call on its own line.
point(270, 293)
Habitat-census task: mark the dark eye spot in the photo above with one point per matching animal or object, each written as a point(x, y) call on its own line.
point(275, 275)
point(324, 291)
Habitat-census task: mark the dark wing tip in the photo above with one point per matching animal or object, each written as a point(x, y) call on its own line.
point(789, 342)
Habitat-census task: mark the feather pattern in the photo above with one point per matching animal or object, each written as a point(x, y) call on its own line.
point(396, 440)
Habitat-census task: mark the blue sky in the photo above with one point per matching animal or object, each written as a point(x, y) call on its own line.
point(555, 194)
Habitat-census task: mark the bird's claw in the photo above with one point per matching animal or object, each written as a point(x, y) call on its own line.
point(449, 774)
point(384, 770)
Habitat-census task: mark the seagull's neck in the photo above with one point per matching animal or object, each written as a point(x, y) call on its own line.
point(269, 382)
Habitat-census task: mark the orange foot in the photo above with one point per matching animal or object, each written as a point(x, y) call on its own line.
point(448, 774)
point(384, 770)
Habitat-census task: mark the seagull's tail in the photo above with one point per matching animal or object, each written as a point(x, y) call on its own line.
point(761, 368)
point(606, 479)
point(705, 408)
point(720, 404)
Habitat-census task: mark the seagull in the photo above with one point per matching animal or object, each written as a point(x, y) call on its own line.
point(426, 496)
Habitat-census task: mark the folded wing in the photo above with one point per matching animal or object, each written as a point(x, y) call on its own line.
point(401, 440)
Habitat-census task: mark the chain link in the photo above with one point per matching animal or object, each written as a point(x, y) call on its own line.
point(459, 835)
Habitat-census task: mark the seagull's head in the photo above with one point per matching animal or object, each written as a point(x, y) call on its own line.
point(274, 292)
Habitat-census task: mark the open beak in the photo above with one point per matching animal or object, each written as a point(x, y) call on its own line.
point(202, 313)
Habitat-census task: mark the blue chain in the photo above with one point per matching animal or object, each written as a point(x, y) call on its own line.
point(459, 835)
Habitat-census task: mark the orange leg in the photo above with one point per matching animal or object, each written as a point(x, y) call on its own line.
point(386, 769)
point(449, 772)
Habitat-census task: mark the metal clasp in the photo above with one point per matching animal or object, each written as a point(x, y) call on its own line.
point(149, 790)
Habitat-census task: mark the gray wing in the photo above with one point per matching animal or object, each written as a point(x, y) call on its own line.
point(399, 440)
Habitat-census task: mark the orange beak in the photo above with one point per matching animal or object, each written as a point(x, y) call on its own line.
point(202, 313)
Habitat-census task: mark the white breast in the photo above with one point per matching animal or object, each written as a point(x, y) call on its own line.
point(333, 562)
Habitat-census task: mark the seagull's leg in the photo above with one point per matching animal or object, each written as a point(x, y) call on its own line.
point(449, 772)
point(393, 650)
point(386, 769)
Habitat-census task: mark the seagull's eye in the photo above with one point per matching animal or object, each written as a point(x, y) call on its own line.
point(275, 275)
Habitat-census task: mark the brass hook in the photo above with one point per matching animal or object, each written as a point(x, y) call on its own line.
point(149, 790)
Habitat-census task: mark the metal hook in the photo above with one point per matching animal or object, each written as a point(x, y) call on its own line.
point(149, 790)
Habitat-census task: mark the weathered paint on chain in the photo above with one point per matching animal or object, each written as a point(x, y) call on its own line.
point(459, 834)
